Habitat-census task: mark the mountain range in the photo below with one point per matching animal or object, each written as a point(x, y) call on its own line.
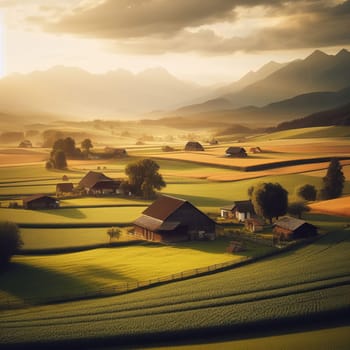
point(72, 92)
point(275, 93)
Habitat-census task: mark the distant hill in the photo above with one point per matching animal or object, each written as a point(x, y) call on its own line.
point(317, 72)
point(289, 91)
point(336, 116)
point(64, 91)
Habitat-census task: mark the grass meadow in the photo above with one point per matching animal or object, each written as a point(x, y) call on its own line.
point(310, 284)
point(301, 286)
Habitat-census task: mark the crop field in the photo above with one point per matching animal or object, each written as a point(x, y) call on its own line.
point(329, 338)
point(310, 284)
point(79, 273)
point(338, 206)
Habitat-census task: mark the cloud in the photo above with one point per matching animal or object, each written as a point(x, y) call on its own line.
point(160, 26)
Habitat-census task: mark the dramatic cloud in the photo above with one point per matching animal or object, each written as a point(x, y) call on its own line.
point(160, 26)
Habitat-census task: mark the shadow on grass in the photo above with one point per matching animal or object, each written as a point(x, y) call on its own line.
point(40, 285)
point(37, 284)
point(72, 213)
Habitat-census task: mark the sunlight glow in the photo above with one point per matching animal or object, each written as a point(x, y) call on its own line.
point(2, 53)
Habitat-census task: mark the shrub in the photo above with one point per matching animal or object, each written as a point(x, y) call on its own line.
point(10, 241)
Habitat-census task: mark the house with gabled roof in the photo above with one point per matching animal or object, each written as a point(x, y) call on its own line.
point(40, 201)
point(288, 228)
point(98, 183)
point(239, 210)
point(239, 152)
point(64, 188)
point(170, 219)
point(193, 146)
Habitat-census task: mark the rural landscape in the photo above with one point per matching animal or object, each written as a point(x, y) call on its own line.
point(147, 210)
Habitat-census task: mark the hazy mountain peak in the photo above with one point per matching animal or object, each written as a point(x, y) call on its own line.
point(317, 54)
point(343, 53)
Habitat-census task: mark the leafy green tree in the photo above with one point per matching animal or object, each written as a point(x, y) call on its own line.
point(10, 241)
point(270, 200)
point(333, 182)
point(297, 209)
point(144, 177)
point(86, 145)
point(59, 160)
point(307, 192)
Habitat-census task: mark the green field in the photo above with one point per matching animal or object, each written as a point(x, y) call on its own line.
point(80, 273)
point(312, 283)
point(324, 339)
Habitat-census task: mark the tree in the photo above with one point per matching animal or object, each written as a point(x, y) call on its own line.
point(113, 233)
point(297, 209)
point(10, 241)
point(333, 182)
point(59, 160)
point(144, 177)
point(307, 192)
point(86, 145)
point(270, 200)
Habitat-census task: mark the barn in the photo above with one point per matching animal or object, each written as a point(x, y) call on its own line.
point(63, 189)
point(239, 210)
point(288, 228)
point(98, 183)
point(170, 219)
point(40, 201)
point(193, 146)
point(238, 152)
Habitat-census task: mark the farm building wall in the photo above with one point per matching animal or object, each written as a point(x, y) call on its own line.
point(178, 235)
point(197, 223)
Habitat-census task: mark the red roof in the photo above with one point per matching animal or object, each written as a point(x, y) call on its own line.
point(163, 207)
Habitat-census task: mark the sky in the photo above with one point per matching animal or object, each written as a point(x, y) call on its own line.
point(205, 41)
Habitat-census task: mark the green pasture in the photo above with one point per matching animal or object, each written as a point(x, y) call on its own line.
point(100, 215)
point(306, 133)
point(309, 284)
point(49, 238)
point(87, 271)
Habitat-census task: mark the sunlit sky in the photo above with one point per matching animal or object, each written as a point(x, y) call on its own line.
point(205, 41)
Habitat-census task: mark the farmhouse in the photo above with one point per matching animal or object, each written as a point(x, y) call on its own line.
point(63, 189)
point(98, 183)
point(170, 219)
point(289, 228)
point(236, 152)
point(40, 201)
point(193, 146)
point(239, 210)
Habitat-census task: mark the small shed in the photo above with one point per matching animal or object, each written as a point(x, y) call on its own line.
point(193, 146)
point(239, 210)
point(25, 144)
point(40, 201)
point(235, 247)
point(254, 225)
point(171, 219)
point(63, 189)
point(238, 152)
point(255, 150)
point(288, 228)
